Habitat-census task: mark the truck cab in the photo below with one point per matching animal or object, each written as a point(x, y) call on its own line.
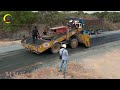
point(75, 22)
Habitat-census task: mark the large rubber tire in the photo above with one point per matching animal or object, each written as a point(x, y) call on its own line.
point(55, 48)
point(74, 43)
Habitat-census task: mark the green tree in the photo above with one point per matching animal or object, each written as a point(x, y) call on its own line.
point(18, 17)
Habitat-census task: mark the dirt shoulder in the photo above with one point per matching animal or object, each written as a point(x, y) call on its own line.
point(6, 42)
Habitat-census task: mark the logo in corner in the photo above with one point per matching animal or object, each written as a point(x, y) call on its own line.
point(7, 18)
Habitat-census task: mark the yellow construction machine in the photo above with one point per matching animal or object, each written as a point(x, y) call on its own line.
point(70, 34)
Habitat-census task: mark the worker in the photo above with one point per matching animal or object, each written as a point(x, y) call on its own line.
point(73, 23)
point(35, 34)
point(38, 35)
point(45, 32)
point(64, 58)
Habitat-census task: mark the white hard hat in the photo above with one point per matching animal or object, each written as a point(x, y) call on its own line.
point(70, 20)
point(64, 46)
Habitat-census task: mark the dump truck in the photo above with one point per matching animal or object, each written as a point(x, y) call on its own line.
point(73, 33)
point(94, 26)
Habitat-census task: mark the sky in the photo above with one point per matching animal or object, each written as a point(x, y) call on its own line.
point(90, 12)
point(97, 11)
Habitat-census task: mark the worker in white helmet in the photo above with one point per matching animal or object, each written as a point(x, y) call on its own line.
point(64, 58)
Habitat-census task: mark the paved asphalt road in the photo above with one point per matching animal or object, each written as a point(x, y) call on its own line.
point(17, 59)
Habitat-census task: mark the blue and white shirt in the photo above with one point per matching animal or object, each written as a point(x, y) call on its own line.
point(64, 53)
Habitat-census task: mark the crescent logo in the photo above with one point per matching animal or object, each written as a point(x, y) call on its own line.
point(46, 45)
point(7, 18)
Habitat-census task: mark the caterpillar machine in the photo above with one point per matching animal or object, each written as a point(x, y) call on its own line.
point(71, 34)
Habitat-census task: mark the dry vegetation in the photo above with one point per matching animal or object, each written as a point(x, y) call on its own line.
point(23, 24)
point(111, 26)
point(8, 42)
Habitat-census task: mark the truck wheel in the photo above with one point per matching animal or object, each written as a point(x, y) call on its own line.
point(55, 48)
point(73, 43)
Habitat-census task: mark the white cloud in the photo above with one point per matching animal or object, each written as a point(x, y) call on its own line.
point(34, 11)
point(91, 11)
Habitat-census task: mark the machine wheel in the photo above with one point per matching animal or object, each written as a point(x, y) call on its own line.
point(55, 48)
point(73, 43)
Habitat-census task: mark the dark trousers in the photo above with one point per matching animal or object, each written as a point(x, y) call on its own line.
point(34, 38)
